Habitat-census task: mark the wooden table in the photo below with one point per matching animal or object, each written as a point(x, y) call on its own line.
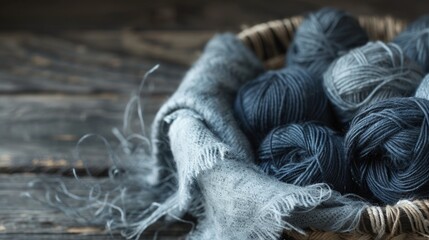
point(68, 69)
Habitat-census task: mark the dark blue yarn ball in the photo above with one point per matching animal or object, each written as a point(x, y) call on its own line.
point(304, 154)
point(322, 37)
point(388, 146)
point(280, 97)
point(414, 41)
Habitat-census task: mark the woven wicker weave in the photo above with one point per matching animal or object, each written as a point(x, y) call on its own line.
point(405, 220)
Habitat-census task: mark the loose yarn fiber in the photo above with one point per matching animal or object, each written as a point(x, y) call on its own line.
point(388, 146)
point(304, 154)
point(322, 37)
point(423, 89)
point(414, 40)
point(280, 97)
point(369, 74)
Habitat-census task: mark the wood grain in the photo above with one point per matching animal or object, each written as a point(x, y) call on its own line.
point(68, 236)
point(179, 48)
point(40, 63)
point(43, 129)
point(54, 89)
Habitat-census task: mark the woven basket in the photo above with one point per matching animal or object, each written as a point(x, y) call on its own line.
point(405, 220)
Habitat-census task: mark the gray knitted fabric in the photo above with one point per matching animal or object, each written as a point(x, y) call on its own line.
point(197, 140)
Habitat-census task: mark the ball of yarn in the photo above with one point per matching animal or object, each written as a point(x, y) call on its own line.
point(322, 37)
point(279, 97)
point(423, 89)
point(414, 40)
point(304, 154)
point(388, 146)
point(369, 74)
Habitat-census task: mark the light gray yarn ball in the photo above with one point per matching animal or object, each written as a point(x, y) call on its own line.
point(368, 74)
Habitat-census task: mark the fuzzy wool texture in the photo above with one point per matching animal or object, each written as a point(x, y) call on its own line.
point(197, 140)
point(323, 36)
point(368, 74)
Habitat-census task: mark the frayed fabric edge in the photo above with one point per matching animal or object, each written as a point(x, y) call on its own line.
point(274, 213)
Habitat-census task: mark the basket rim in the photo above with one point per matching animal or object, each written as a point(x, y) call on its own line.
point(269, 41)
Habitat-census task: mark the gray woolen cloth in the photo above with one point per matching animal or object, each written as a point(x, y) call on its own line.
point(197, 140)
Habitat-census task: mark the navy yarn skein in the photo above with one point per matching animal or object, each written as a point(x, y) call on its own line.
point(414, 40)
point(388, 146)
point(304, 154)
point(322, 37)
point(280, 97)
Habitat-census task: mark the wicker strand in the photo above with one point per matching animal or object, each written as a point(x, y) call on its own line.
point(269, 41)
point(404, 217)
point(381, 28)
point(392, 215)
point(317, 235)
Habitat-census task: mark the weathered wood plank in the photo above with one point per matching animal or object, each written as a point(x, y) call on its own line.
point(41, 131)
point(21, 216)
point(68, 236)
point(57, 89)
point(43, 63)
point(171, 14)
